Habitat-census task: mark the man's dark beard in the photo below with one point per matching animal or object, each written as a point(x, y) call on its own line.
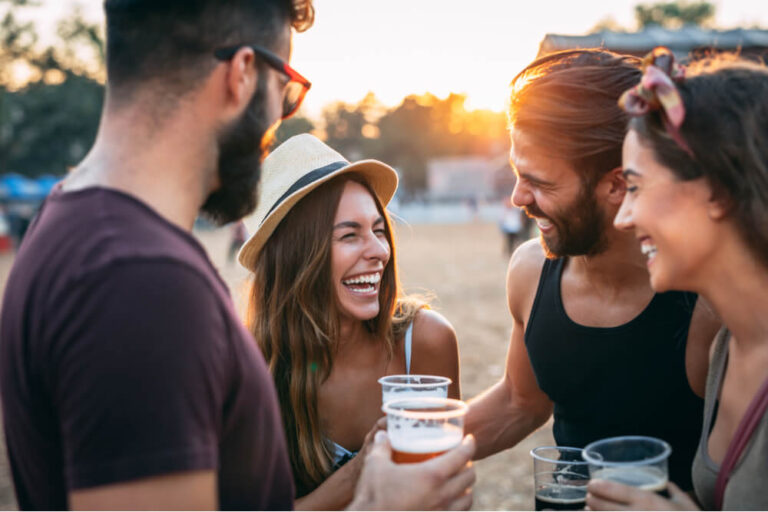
point(241, 149)
point(579, 228)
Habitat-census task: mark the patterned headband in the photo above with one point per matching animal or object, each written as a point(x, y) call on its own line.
point(657, 91)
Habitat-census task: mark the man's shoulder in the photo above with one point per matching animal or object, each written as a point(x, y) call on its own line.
point(525, 264)
point(80, 244)
point(523, 274)
point(89, 230)
point(529, 252)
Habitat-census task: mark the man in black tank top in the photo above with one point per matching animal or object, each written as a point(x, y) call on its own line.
point(591, 343)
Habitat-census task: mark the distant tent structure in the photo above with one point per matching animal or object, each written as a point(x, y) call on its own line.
point(691, 39)
point(15, 187)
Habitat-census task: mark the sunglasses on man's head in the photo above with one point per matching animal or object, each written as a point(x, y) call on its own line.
point(297, 85)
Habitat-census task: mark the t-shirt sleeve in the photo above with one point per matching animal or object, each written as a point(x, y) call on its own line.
point(140, 374)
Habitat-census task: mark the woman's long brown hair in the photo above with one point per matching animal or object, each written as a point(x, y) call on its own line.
point(294, 315)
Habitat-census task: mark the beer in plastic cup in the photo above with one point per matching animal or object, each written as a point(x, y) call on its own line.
point(422, 428)
point(638, 461)
point(560, 478)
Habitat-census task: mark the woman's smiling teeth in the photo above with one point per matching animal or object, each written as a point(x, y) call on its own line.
point(364, 283)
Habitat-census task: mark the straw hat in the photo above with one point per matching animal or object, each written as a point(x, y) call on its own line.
point(293, 170)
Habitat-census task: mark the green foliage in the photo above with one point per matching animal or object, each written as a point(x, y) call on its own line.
point(48, 128)
point(49, 119)
point(419, 129)
point(344, 126)
point(292, 126)
point(608, 23)
point(674, 14)
point(49, 122)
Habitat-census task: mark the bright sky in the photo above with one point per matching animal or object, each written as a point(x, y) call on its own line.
point(399, 47)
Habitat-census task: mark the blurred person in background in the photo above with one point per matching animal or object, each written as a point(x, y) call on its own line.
point(591, 342)
point(511, 226)
point(696, 164)
point(237, 236)
point(328, 313)
point(127, 379)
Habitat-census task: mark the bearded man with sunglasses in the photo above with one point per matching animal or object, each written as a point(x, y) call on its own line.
point(127, 379)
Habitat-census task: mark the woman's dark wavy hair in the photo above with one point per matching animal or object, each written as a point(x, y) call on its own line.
point(726, 127)
point(567, 103)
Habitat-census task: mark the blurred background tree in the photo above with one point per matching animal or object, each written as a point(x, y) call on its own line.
point(50, 97)
point(671, 15)
point(407, 136)
point(674, 14)
point(292, 126)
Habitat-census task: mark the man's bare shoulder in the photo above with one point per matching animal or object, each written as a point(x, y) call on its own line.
point(523, 274)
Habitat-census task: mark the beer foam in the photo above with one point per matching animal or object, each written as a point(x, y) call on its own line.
point(425, 440)
point(648, 478)
point(411, 394)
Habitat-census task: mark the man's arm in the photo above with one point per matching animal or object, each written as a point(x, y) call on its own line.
point(136, 389)
point(194, 490)
point(514, 407)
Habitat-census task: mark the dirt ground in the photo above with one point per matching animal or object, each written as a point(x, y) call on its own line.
point(463, 266)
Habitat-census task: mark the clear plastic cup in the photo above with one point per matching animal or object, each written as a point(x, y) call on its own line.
point(560, 477)
point(422, 428)
point(396, 387)
point(638, 461)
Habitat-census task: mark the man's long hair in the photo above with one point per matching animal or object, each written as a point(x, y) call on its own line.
point(566, 103)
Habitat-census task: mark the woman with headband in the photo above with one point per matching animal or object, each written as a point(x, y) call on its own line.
point(695, 160)
point(327, 310)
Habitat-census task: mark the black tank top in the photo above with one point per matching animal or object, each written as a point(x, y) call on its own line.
point(612, 381)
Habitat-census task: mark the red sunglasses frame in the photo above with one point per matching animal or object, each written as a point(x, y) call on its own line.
point(275, 62)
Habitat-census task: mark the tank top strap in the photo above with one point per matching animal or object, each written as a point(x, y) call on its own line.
point(714, 383)
point(582, 368)
point(340, 455)
point(408, 348)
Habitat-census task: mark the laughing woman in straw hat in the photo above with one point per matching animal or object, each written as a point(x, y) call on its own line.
point(327, 311)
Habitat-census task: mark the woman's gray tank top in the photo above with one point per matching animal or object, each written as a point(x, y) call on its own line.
point(747, 487)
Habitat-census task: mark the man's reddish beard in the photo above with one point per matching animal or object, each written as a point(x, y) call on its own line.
point(579, 227)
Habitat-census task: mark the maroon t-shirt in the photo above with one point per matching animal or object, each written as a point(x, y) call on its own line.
point(121, 357)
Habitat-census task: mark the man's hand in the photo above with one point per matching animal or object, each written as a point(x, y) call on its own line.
point(442, 483)
point(607, 495)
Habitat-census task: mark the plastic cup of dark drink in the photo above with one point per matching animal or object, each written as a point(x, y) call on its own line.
point(638, 461)
point(394, 387)
point(560, 477)
point(422, 428)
